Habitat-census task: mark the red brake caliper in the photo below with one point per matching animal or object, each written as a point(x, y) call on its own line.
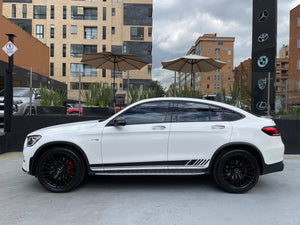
point(70, 168)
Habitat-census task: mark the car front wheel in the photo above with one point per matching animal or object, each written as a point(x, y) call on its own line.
point(60, 170)
point(236, 171)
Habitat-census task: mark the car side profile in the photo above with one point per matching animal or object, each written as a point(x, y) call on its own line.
point(160, 136)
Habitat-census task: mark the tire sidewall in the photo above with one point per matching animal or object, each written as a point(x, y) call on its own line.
point(78, 163)
point(222, 183)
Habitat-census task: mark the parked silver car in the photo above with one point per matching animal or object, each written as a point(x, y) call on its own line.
point(21, 101)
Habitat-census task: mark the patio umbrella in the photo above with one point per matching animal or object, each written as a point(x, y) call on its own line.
point(193, 63)
point(114, 61)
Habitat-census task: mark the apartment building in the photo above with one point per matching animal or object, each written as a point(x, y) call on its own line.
point(211, 83)
point(75, 27)
point(31, 54)
point(294, 61)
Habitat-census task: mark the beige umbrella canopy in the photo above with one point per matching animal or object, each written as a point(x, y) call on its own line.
point(192, 64)
point(114, 61)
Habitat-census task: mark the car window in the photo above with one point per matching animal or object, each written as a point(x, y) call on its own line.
point(150, 112)
point(222, 114)
point(190, 112)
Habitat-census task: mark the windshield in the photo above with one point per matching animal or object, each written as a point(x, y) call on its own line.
point(21, 92)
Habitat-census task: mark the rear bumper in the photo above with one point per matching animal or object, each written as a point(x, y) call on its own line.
point(276, 167)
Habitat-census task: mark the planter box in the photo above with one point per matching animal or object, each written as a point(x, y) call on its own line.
point(97, 111)
point(51, 110)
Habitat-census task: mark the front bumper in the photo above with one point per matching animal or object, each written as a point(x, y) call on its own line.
point(276, 167)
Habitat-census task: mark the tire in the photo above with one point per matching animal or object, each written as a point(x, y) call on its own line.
point(60, 170)
point(236, 171)
point(27, 111)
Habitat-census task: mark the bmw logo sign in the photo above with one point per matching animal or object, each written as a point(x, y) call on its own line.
point(262, 61)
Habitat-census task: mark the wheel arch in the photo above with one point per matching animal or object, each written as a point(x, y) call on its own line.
point(46, 147)
point(242, 146)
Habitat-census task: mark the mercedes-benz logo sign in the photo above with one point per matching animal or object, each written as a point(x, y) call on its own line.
point(263, 37)
point(262, 61)
point(263, 16)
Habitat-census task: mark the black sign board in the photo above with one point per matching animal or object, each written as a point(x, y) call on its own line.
point(264, 41)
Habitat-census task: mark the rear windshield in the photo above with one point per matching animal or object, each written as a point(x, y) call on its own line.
point(21, 92)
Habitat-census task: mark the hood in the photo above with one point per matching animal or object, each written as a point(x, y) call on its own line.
point(67, 128)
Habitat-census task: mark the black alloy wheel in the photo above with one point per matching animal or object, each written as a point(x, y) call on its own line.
point(60, 170)
point(236, 171)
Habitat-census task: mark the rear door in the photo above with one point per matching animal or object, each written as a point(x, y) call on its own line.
point(197, 130)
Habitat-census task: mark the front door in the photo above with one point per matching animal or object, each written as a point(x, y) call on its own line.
point(143, 142)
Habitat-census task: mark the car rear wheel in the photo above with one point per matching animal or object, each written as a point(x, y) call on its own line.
point(236, 171)
point(60, 170)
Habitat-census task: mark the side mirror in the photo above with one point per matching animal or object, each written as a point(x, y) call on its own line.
point(120, 121)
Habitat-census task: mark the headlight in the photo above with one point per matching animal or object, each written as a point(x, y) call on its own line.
point(31, 140)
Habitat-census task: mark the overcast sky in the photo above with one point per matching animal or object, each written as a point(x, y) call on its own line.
point(178, 23)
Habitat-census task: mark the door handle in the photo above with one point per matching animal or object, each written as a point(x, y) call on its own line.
point(218, 127)
point(158, 128)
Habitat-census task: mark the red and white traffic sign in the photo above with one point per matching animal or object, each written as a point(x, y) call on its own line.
point(9, 48)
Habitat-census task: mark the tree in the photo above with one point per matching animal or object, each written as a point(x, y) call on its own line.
point(156, 90)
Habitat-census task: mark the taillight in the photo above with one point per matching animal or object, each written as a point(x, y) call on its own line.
point(272, 131)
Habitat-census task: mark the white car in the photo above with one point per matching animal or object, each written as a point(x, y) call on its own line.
point(180, 136)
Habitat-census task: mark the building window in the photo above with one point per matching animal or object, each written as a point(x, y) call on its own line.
point(104, 14)
point(113, 11)
point(150, 11)
point(64, 12)
point(217, 54)
point(298, 64)
point(149, 50)
point(64, 50)
point(64, 69)
point(51, 31)
point(103, 72)
point(149, 31)
point(52, 12)
point(64, 31)
point(82, 13)
point(73, 29)
point(24, 11)
point(125, 49)
point(298, 43)
point(86, 70)
point(137, 33)
point(90, 33)
point(208, 51)
point(103, 48)
point(149, 69)
point(207, 86)
point(78, 50)
point(117, 74)
point(298, 21)
point(229, 52)
point(229, 60)
point(220, 42)
point(229, 78)
point(229, 69)
point(39, 31)
point(52, 69)
point(52, 50)
point(113, 30)
point(104, 32)
point(13, 10)
point(208, 77)
point(39, 12)
point(298, 85)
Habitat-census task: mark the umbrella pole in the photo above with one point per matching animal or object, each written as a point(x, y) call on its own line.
point(114, 86)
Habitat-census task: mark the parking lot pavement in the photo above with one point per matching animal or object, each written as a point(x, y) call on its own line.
point(148, 200)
